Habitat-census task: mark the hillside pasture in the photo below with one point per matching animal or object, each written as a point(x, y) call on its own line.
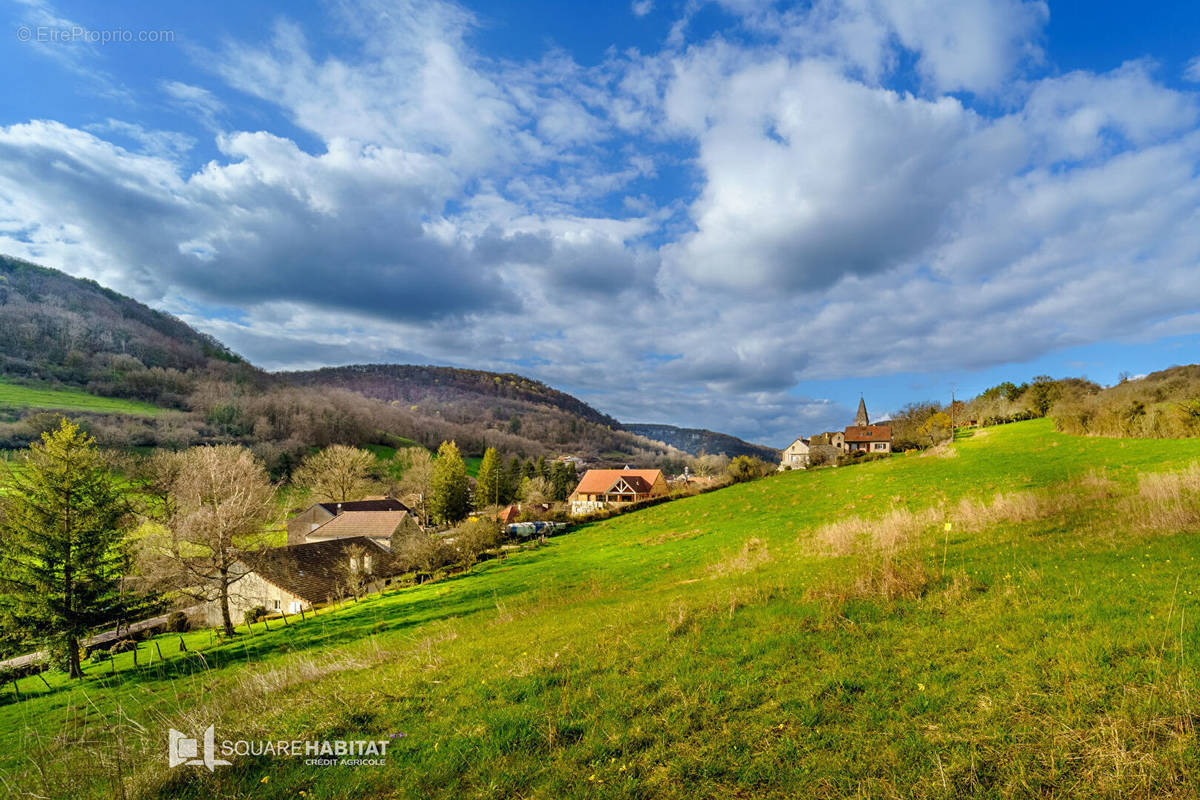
point(1010, 616)
point(13, 395)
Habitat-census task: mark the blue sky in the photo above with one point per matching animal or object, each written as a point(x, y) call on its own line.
point(735, 214)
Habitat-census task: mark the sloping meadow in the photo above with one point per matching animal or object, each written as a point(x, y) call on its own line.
point(811, 634)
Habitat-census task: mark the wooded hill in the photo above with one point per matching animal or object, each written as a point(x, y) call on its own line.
point(59, 331)
point(437, 386)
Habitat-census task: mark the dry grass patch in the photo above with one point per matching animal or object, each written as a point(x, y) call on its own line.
point(1007, 507)
point(889, 533)
point(680, 619)
point(889, 576)
point(1166, 502)
point(1098, 480)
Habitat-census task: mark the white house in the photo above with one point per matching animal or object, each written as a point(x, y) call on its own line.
point(796, 456)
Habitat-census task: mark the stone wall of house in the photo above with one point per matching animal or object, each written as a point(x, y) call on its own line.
point(251, 591)
point(823, 454)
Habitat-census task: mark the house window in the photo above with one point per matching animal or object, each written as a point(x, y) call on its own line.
point(367, 563)
point(276, 605)
point(294, 607)
point(354, 563)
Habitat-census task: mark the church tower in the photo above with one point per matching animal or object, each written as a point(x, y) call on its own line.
point(860, 418)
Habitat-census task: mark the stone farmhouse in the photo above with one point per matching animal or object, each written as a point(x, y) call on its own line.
point(608, 488)
point(300, 576)
point(826, 447)
point(376, 519)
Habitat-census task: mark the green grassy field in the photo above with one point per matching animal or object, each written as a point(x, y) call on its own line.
point(733, 644)
point(16, 396)
point(385, 454)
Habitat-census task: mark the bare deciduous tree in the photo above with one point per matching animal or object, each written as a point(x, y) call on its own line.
point(337, 474)
point(217, 500)
point(416, 479)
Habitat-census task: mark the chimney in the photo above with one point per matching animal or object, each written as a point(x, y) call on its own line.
point(339, 509)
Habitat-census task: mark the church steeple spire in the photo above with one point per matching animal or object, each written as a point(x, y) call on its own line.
point(861, 417)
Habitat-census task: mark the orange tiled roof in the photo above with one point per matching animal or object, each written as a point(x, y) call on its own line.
point(868, 433)
point(598, 481)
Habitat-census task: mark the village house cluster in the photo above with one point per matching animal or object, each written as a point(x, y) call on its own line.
point(824, 448)
point(332, 546)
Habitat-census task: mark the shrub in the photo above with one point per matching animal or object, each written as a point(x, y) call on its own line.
point(747, 468)
point(178, 622)
point(253, 615)
point(472, 539)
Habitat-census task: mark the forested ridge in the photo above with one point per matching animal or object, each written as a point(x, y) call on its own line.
point(64, 332)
